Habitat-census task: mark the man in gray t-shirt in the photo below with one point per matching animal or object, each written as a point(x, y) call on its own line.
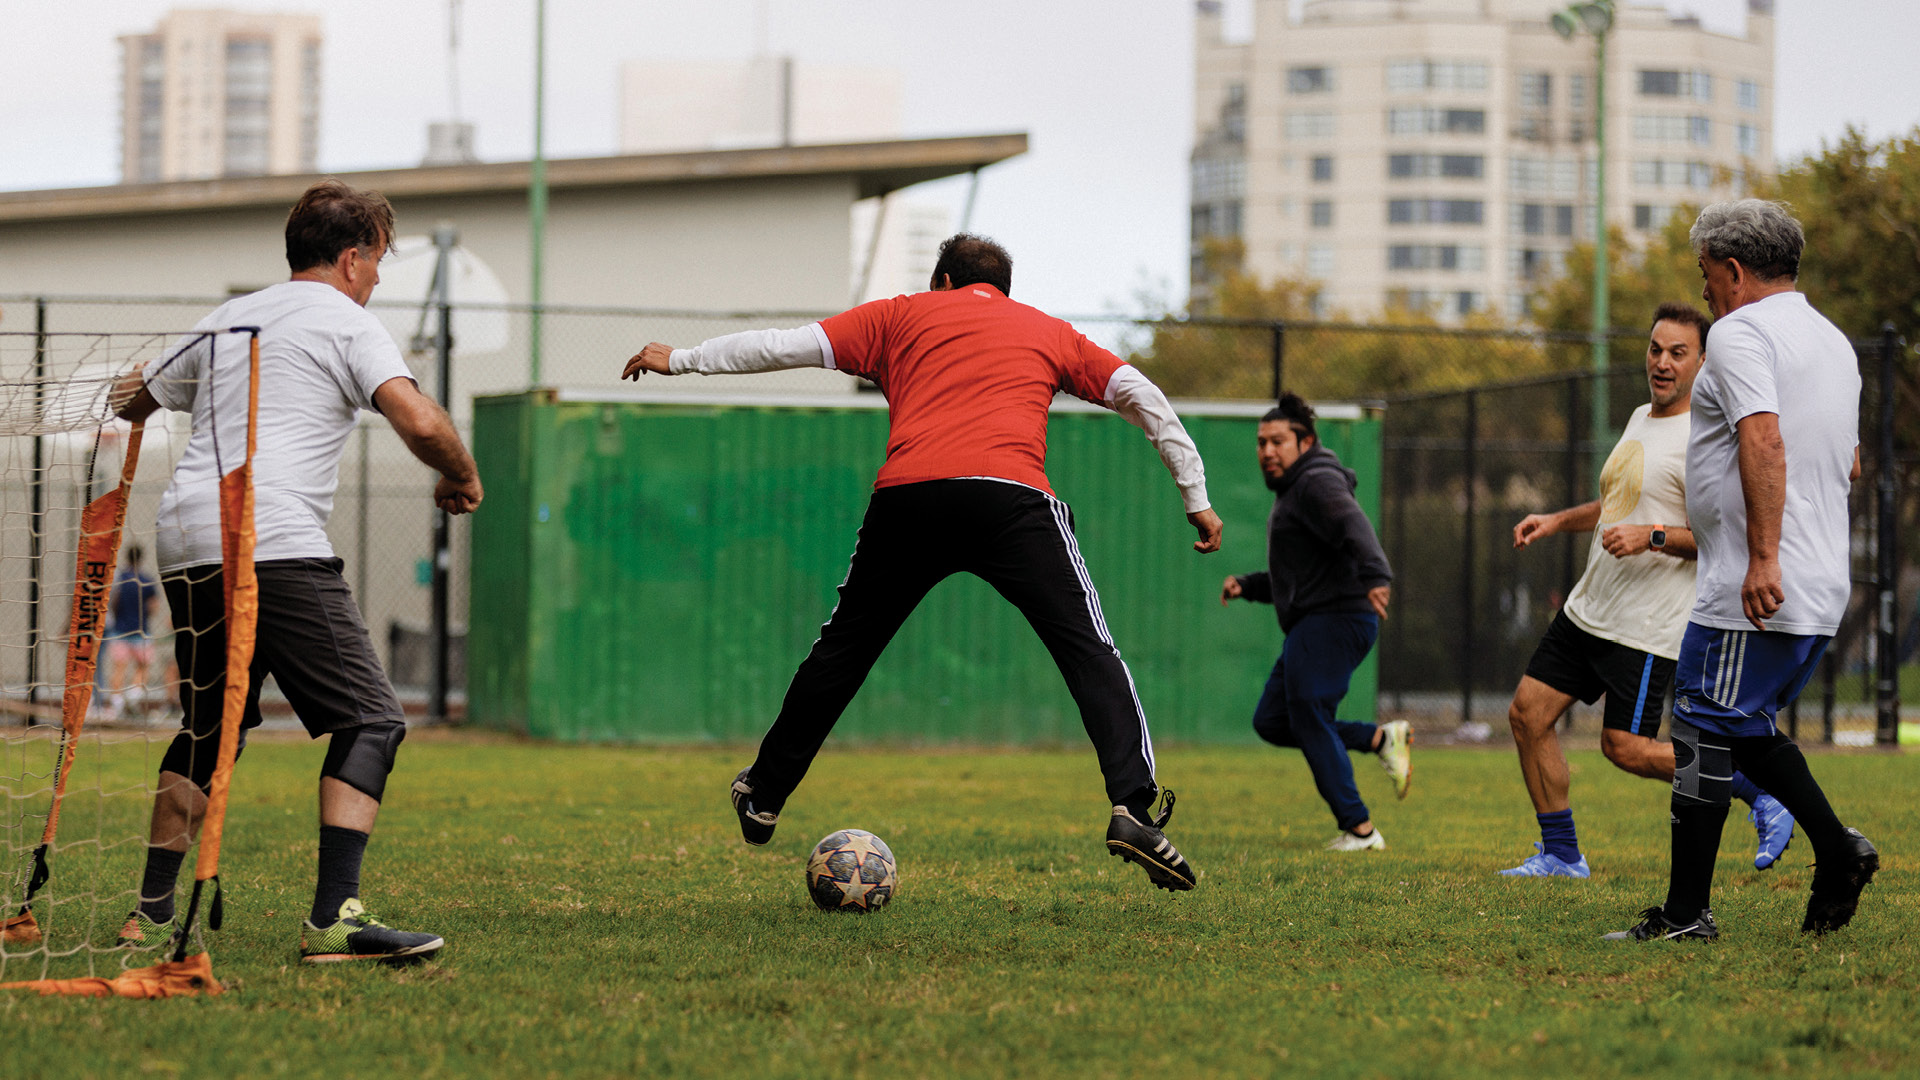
point(1773, 449)
point(323, 358)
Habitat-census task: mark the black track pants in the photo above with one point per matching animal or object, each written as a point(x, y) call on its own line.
point(1018, 540)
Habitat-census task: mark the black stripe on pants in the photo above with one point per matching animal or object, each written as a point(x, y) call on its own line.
point(1015, 538)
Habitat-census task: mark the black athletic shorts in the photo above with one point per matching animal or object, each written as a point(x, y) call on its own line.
point(1584, 666)
point(310, 639)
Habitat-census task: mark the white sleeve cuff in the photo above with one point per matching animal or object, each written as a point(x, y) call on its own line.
point(826, 346)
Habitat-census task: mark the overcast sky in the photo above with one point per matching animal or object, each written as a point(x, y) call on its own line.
point(1094, 213)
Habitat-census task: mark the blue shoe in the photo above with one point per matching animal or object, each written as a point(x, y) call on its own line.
point(1542, 864)
point(1775, 826)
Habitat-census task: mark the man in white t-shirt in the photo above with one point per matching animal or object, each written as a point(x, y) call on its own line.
point(1619, 633)
point(1772, 454)
point(323, 358)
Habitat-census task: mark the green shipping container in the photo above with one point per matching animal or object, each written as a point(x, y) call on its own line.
point(654, 571)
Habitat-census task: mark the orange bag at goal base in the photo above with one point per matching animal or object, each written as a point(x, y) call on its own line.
point(172, 978)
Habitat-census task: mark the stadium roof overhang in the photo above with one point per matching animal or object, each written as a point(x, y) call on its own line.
point(877, 168)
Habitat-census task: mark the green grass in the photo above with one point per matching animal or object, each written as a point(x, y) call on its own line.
point(604, 919)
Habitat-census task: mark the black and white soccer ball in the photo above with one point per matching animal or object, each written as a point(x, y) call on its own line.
point(851, 870)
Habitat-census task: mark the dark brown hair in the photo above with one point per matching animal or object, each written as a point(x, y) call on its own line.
point(332, 217)
point(1685, 315)
point(974, 260)
point(1297, 413)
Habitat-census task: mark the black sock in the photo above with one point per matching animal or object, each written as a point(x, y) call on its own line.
point(1140, 803)
point(1696, 843)
point(340, 853)
point(156, 885)
point(1776, 764)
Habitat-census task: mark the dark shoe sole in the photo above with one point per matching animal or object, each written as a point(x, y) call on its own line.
point(751, 831)
point(1158, 872)
point(413, 955)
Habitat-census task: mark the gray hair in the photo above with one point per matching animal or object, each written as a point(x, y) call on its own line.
point(1762, 236)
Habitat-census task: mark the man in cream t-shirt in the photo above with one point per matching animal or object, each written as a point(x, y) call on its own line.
point(1619, 632)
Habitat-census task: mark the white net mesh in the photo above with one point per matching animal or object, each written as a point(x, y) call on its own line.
point(65, 902)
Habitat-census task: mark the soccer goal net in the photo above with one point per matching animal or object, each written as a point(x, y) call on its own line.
point(90, 696)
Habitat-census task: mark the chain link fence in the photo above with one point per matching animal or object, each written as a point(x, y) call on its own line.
point(1482, 426)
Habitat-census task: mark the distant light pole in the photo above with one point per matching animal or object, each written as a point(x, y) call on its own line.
point(537, 195)
point(1596, 18)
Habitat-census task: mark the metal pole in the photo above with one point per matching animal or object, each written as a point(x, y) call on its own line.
point(1887, 686)
point(537, 195)
point(444, 239)
point(37, 520)
point(1402, 481)
point(1279, 349)
point(1467, 589)
point(1570, 485)
point(1601, 285)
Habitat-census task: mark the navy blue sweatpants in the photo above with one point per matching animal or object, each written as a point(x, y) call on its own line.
point(1296, 709)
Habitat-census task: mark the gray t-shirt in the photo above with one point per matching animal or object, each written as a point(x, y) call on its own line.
point(321, 358)
point(1775, 355)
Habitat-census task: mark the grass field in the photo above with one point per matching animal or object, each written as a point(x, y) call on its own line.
point(604, 919)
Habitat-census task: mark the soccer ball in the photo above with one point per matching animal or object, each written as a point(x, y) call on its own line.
point(851, 870)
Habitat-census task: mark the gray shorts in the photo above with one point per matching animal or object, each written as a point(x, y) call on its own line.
point(310, 638)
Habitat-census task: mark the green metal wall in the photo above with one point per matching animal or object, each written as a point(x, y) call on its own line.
point(649, 571)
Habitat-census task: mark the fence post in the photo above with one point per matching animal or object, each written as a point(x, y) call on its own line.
point(444, 238)
point(1279, 347)
point(1886, 690)
point(1570, 482)
point(1467, 541)
point(37, 519)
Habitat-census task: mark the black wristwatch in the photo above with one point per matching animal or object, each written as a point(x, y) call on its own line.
point(1658, 541)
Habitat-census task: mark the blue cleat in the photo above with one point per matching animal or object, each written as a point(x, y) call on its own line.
point(1775, 826)
point(1542, 864)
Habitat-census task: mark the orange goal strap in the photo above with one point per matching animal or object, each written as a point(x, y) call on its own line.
point(243, 616)
point(99, 551)
point(173, 978)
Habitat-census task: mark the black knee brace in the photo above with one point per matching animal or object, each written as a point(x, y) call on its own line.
point(1702, 766)
point(361, 757)
point(196, 757)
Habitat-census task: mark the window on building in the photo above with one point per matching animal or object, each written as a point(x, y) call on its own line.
point(1659, 83)
point(1322, 169)
point(1536, 89)
point(1563, 220)
point(1408, 76)
point(1467, 257)
point(1451, 166)
point(1320, 213)
point(1577, 93)
point(1746, 140)
point(153, 70)
point(1530, 219)
point(1320, 260)
point(310, 106)
point(1421, 120)
point(1650, 217)
point(249, 85)
point(1697, 130)
point(1466, 302)
point(1528, 263)
point(1463, 166)
point(1434, 211)
point(1217, 178)
point(1309, 125)
point(1746, 94)
point(1309, 80)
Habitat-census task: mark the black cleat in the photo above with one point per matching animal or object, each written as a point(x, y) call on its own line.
point(1653, 926)
point(1836, 892)
point(356, 935)
point(755, 827)
point(1142, 843)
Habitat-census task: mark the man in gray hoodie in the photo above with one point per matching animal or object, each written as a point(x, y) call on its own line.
point(1328, 581)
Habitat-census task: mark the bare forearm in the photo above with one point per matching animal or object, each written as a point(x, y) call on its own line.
point(1582, 518)
point(438, 446)
point(1680, 544)
point(1763, 485)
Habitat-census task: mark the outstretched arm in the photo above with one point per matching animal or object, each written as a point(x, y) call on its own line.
point(737, 354)
point(1134, 396)
point(130, 398)
point(428, 431)
point(1582, 518)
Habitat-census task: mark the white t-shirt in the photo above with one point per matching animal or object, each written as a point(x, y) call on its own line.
point(1640, 601)
point(321, 358)
point(1776, 355)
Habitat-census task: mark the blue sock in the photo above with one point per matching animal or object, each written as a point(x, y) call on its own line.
point(1556, 833)
point(1745, 790)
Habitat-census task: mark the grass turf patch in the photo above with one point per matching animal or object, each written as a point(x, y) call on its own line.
point(603, 918)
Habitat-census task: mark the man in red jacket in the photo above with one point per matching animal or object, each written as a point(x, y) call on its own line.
point(968, 375)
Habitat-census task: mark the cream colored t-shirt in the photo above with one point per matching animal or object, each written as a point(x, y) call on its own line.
point(1640, 601)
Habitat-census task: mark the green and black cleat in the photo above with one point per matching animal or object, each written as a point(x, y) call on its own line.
point(356, 935)
point(1654, 926)
point(1143, 843)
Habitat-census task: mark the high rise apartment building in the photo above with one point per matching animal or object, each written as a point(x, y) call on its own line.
point(220, 93)
point(1440, 155)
